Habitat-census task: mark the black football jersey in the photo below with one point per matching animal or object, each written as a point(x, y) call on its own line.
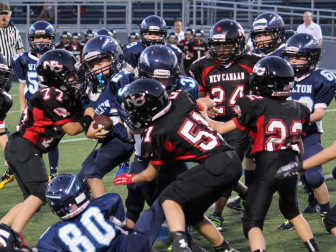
point(46, 109)
point(197, 50)
point(273, 124)
point(76, 50)
point(6, 103)
point(181, 134)
point(224, 84)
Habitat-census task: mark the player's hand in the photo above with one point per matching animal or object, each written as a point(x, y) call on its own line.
point(89, 111)
point(124, 179)
point(96, 133)
point(291, 169)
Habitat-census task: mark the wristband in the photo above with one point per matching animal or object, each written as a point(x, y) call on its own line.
point(85, 122)
point(3, 133)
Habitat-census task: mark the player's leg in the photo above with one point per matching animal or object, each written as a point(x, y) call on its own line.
point(330, 221)
point(108, 156)
point(146, 229)
point(53, 157)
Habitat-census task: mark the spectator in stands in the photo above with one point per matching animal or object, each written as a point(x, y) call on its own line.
point(310, 27)
point(178, 30)
point(48, 11)
point(10, 39)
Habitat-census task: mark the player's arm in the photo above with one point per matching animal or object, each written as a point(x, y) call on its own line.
point(320, 158)
point(143, 177)
point(22, 98)
point(317, 115)
point(74, 128)
point(201, 94)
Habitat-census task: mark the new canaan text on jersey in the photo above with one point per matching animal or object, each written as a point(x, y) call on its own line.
point(226, 77)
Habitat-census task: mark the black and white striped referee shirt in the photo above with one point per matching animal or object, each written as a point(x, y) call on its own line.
point(10, 42)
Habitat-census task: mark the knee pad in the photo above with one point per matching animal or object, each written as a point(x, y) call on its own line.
point(249, 224)
point(315, 180)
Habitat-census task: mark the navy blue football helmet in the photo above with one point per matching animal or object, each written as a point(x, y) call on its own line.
point(159, 62)
point(97, 48)
point(39, 29)
point(226, 41)
point(57, 68)
point(172, 38)
point(288, 34)
point(133, 36)
point(268, 23)
point(153, 24)
point(5, 83)
point(104, 31)
point(9, 238)
point(303, 45)
point(144, 101)
point(67, 196)
point(114, 33)
point(272, 76)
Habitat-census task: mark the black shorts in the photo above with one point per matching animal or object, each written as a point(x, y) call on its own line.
point(266, 183)
point(198, 188)
point(28, 166)
point(238, 139)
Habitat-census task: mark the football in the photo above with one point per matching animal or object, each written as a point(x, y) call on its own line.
point(103, 120)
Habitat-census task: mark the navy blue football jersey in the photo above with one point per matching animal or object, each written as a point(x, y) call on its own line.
point(315, 91)
point(46, 110)
point(181, 134)
point(273, 124)
point(24, 68)
point(6, 103)
point(98, 228)
point(133, 50)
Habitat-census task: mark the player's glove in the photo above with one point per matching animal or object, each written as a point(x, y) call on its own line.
point(124, 179)
point(291, 169)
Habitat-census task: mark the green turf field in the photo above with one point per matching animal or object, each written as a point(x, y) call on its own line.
point(73, 151)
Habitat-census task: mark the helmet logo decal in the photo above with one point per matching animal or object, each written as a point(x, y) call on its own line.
point(219, 28)
point(53, 65)
point(137, 102)
point(161, 73)
point(311, 44)
point(219, 37)
point(40, 32)
point(144, 59)
point(259, 70)
point(107, 42)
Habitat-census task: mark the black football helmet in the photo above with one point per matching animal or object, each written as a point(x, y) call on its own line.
point(114, 33)
point(172, 38)
point(159, 62)
point(288, 34)
point(145, 101)
point(303, 45)
point(101, 47)
point(57, 68)
point(5, 83)
point(272, 76)
point(67, 196)
point(65, 34)
point(133, 36)
point(9, 238)
point(89, 33)
point(199, 33)
point(38, 29)
point(76, 35)
point(154, 24)
point(226, 41)
point(103, 31)
point(189, 31)
point(271, 23)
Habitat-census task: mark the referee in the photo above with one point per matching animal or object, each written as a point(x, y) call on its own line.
point(10, 39)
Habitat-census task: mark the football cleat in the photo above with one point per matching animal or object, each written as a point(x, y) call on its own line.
point(225, 247)
point(124, 167)
point(51, 176)
point(313, 207)
point(286, 225)
point(193, 245)
point(323, 215)
point(235, 204)
point(217, 220)
point(6, 178)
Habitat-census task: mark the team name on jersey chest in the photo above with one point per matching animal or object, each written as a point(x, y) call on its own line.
point(102, 107)
point(301, 88)
point(226, 77)
point(31, 67)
